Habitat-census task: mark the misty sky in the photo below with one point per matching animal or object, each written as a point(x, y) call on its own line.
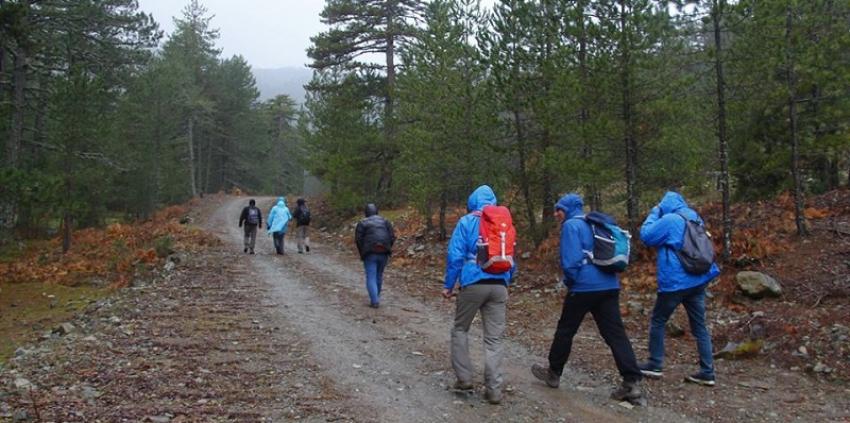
point(268, 33)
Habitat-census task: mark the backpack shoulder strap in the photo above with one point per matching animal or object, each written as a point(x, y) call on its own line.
point(687, 219)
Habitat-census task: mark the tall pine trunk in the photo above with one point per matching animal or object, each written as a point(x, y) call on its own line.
point(791, 81)
point(190, 142)
point(628, 123)
point(524, 180)
point(722, 141)
point(385, 182)
point(593, 195)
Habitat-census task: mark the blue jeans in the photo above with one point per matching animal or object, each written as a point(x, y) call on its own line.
point(693, 299)
point(374, 265)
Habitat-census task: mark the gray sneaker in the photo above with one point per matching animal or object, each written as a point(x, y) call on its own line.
point(493, 396)
point(631, 392)
point(546, 375)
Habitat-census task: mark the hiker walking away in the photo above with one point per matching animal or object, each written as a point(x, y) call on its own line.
point(685, 266)
point(483, 267)
point(302, 223)
point(590, 289)
point(279, 217)
point(251, 218)
point(374, 237)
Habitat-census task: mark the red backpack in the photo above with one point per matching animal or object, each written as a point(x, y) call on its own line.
point(496, 239)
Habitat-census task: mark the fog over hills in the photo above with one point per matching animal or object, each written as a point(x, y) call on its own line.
point(288, 80)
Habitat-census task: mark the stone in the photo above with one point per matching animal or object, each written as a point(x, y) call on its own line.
point(169, 266)
point(634, 307)
point(419, 248)
point(20, 352)
point(64, 329)
point(21, 415)
point(757, 285)
point(737, 350)
point(90, 393)
point(526, 255)
point(821, 368)
point(23, 384)
point(673, 329)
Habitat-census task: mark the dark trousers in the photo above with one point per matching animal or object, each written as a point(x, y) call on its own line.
point(277, 237)
point(605, 308)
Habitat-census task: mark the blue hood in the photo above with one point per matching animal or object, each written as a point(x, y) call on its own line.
point(672, 202)
point(571, 204)
point(482, 196)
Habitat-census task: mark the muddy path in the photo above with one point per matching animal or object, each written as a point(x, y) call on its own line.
point(394, 361)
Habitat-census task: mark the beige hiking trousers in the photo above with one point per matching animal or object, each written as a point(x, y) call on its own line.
point(491, 300)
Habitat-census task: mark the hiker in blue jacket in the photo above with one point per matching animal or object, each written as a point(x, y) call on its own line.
point(664, 229)
point(590, 290)
point(479, 290)
point(279, 217)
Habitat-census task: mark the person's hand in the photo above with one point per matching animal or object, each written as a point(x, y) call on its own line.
point(447, 293)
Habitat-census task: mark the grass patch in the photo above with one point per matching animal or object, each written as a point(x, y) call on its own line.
point(27, 310)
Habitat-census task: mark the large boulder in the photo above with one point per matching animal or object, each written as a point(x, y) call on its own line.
point(758, 285)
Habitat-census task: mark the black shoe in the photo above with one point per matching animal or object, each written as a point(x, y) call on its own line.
point(375, 305)
point(300, 252)
point(650, 371)
point(252, 252)
point(462, 386)
point(245, 250)
point(308, 248)
point(700, 379)
point(546, 375)
point(493, 396)
point(631, 392)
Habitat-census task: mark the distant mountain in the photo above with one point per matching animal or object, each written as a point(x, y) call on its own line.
point(289, 81)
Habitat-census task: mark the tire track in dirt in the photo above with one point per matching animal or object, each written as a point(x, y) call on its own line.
point(394, 360)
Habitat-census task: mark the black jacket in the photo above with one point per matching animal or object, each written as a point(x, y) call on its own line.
point(244, 217)
point(374, 234)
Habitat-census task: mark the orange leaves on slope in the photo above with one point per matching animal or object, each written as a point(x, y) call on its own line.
point(111, 254)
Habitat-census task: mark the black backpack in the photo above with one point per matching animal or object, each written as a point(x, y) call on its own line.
point(303, 215)
point(253, 216)
point(697, 252)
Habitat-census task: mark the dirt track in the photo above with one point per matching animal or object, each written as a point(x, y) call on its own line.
point(394, 361)
point(232, 337)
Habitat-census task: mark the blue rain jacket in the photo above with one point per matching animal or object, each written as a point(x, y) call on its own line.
point(580, 275)
point(279, 217)
point(664, 229)
point(461, 258)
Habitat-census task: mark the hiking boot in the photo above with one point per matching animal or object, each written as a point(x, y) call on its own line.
point(650, 371)
point(546, 375)
point(631, 392)
point(375, 305)
point(493, 396)
point(700, 379)
point(462, 386)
